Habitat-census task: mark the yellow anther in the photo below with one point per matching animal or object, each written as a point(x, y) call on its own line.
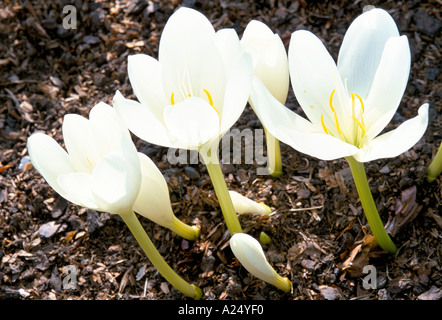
point(323, 124)
point(172, 100)
point(334, 111)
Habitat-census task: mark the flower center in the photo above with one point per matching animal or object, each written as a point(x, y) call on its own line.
point(357, 130)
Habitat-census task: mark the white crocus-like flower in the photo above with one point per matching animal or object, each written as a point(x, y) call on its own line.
point(249, 253)
point(270, 63)
point(194, 92)
point(270, 66)
point(101, 168)
point(348, 104)
point(245, 205)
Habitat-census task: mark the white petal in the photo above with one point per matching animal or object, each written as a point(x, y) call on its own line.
point(213, 77)
point(153, 200)
point(389, 85)
point(245, 205)
point(229, 48)
point(314, 76)
point(106, 120)
point(397, 141)
point(250, 254)
point(292, 129)
point(79, 187)
point(116, 183)
point(237, 92)
point(50, 160)
point(85, 144)
point(362, 49)
point(146, 80)
point(269, 58)
point(141, 121)
point(192, 122)
point(185, 39)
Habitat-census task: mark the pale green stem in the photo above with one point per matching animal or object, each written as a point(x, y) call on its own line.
point(183, 230)
point(369, 206)
point(282, 283)
point(222, 193)
point(273, 155)
point(157, 260)
point(435, 167)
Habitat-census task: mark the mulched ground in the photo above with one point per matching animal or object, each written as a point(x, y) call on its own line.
point(320, 238)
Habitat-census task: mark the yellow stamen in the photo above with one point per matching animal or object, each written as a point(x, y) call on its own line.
point(334, 111)
point(209, 97)
point(360, 125)
point(323, 124)
point(360, 101)
point(172, 100)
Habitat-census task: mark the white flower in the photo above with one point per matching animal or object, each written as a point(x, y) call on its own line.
point(100, 169)
point(270, 62)
point(245, 205)
point(195, 91)
point(251, 256)
point(348, 104)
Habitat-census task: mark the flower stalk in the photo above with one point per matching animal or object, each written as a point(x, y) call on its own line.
point(369, 206)
point(187, 232)
point(157, 260)
point(435, 167)
point(222, 193)
point(273, 155)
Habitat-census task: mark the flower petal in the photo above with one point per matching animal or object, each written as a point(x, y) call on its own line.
point(141, 121)
point(237, 91)
point(145, 78)
point(362, 48)
point(78, 186)
point(269, 58)
point(85, 144)
point(192, 122)
point(229, 48)
point(153, 201)
point(50, 160)
point(185, 39)
point(397, 141)
point(292, 129)
point(314, 76)
point(388, 86)
point(106, 120)
point(116, 183)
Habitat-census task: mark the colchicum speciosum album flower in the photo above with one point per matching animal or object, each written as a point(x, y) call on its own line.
point(245, 205)
point(348, 104)
point(270, 65)
point(192, 94)
point(103, 171)
point(249, 253)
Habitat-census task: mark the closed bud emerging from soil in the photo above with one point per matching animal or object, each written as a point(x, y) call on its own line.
point(250, 254)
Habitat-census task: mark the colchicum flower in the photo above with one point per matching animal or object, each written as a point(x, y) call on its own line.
point(249, 253)
point(103, 171)
point(270, 65)
point(245, 205)
point(192, 94)
point(348, 104)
